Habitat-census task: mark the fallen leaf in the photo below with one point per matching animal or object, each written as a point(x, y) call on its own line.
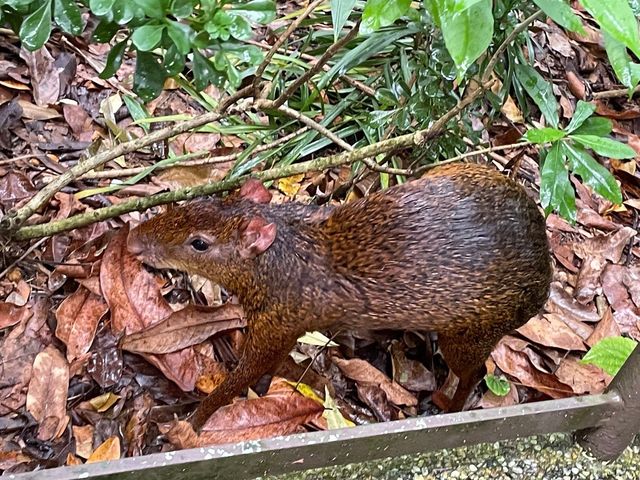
point(83, 436)
point(517, 365)
point(109, 450)
point(548, 330)
point(10, 314)
point(562, 303)
point(47, 395)
point(78, 316)
point(607, 327)
point(411, 374)
point(582, 378)
point(136, 302)
point(363, 372)
point(188, 326)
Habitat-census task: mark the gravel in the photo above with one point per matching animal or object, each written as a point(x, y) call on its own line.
point(548, 457)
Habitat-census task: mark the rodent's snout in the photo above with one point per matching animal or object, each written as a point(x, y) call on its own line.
point(135, 244)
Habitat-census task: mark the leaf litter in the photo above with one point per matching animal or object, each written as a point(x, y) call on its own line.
point(96, 347)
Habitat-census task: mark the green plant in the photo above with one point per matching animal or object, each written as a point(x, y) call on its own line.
point(610, 353)
point(164, 34)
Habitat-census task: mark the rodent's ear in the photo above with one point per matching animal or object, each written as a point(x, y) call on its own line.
point(255, 191)
point(255, 237)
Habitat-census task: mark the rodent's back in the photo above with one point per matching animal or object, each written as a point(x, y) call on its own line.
point(463, 242)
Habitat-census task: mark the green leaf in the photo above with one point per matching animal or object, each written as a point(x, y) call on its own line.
point(149, 76)
point(173, 61)
point(499, 386)
point(340, 11)
point(181, 8)
point(259, 11)
point(561, 13)
point(468, 34)
point(616, 18)
point(114, 60)
point(592, 173)
point(147, 37)
point(203, 71)
point(36, 28)
point(101, 7)
point(105, 31)
point(544, 135)
point(610, 353)
point(540, 92)
point(124, 11)
point(605, 146)
point(556, 192)
point(181, 35)
point(240, 28)
point(380, 13)
point(153, 8)
point(627, 72)
point(598, 126)
point(67, 15)
point(332, 414)
point(583, 111)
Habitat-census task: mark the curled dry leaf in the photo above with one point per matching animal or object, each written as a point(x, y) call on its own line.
point(582, 378)
point(562, 303)
point(134, 432)
point(83, 436)
point(411, 374)
point(625, 312)
point(136, 302)
point(10, 314)
point(550, 331)
point(517, 365)
point(607, 327)
point(184, 328)
point(363, 372)
point(18, 350)
point(281, 411)
point(47, 395)
point(109, 450)
point(375, 398)
point(78, 316)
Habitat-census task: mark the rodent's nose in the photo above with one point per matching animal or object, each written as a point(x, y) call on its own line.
point(135, 244)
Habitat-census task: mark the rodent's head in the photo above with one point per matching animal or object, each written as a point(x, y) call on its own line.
point(204, 237)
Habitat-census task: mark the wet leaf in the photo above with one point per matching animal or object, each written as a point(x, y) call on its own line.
point(363, 372)
point(47, 396)
point(189, 326)
point(109, 450)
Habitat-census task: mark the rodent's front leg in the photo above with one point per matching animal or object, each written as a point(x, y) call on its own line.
point(267, 344)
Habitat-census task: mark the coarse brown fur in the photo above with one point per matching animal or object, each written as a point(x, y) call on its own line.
point(462, 251)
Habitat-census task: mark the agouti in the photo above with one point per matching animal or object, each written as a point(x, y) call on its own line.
point(462, 251)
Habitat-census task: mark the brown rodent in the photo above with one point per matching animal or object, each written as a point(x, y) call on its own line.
point(462, 251)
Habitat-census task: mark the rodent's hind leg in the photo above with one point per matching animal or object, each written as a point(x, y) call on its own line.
point(465, 353)
point(263, 350)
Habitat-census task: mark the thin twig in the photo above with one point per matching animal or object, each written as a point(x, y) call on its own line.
point(13, 220)
point(326, 56)
point(193, 161)
point(404, 141)
point(22, 257)
point(619, 92)
point(363, 87)
point(507, 41)
point(283, 38)
point(10, 161)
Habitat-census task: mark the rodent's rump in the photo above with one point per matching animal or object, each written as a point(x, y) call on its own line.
point(462, 251)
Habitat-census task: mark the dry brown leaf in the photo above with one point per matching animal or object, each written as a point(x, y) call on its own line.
point(18, 351)
point(47, 395)
point(550, 331)
point(625, 312)
point(563, 304)
point(11, 315)
point(83, 436)
point(411, 374)
point(136, 302)
point(491, 400)
point(78, 316)
point(109, 450)
point(189, 326)
point(581, 377)
point(363, 372)
point(104, 402)
point(607, 327)
point(281, 411)
point(517, 365)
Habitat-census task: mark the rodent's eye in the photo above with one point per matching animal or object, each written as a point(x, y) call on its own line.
point(199, 245)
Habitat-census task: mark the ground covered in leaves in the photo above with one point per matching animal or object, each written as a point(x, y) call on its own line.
point(85, 375)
